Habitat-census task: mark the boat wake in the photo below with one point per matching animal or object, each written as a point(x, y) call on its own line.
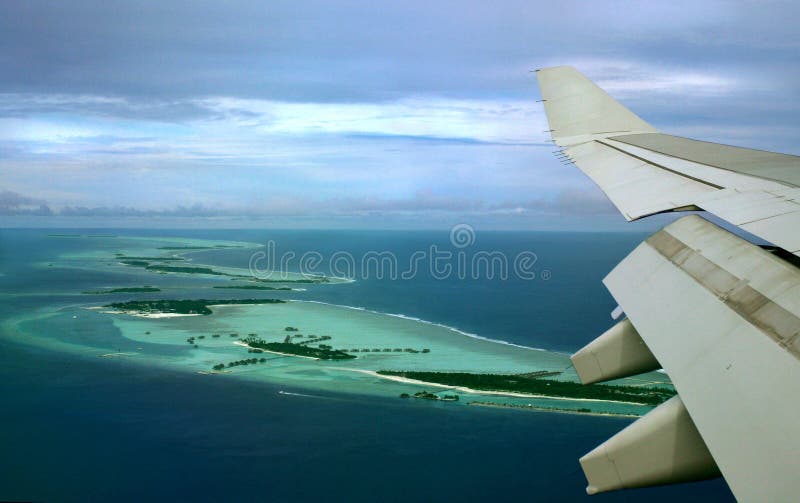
point(289, 393)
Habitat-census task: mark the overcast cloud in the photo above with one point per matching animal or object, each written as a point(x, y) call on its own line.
point(376, 111)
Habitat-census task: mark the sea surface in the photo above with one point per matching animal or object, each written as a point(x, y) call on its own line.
point(81, 428)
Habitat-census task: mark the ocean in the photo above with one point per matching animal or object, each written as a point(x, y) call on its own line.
point(91, 429)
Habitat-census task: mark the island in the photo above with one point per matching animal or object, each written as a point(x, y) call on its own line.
point(316, 279)
point(145, 262)
point(189, 247)
point(530, 406)
point(426, 395)
point(185, 307)
point(120, 256)
point(322, 352)
point(135, 289)
point(534, 384)
point(183, 269)
point(254, 287)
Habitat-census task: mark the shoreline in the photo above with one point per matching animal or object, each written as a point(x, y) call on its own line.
point(140, 314)
point(547, 409)
point(472, 391)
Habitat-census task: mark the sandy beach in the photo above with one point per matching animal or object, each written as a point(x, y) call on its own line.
point(140, 314)
point(474, 391)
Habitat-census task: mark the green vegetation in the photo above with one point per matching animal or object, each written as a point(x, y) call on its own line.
point(135, 263)
point(136, 289)
point(184, 247)
point(523, 383)
point(199, 306)
point(432, 396)
point(319, 279)
point(169, 268)
point(582, 410)
point(540, 373)
point(302, 349)
point(157, 259)
point(187, 247)
point(183, 269)
point(384, 350)
point(254, 287)
point(425, 395)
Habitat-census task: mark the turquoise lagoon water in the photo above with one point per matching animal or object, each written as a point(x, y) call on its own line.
point(51, 344)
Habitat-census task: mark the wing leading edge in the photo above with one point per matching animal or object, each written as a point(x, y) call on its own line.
point(718, 313)
point(645, 172)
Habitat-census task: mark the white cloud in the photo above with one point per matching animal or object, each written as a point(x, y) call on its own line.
point(478, 120)
point(637, 79)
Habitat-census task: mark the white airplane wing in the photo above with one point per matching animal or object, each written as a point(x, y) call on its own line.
point(718, 313)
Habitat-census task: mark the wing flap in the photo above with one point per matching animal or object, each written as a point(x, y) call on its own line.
point(722, 317)
point(636, 187)
point(782, 168)
point(780, 230)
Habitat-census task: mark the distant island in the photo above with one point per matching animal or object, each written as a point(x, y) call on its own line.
point(254, 287)
point(146, 263)
point(197, 306)
point(535, 385)
point(197, 247)
point(316, 279)
point(159, 259)
point(530, 406)
point(183, 269)
point(135, 289)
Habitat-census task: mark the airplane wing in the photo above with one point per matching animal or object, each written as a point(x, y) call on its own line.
point(719, 314)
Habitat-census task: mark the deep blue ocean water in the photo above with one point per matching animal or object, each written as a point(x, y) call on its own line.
point(78, 429)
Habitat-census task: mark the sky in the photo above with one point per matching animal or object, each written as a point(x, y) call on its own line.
point(340, 114)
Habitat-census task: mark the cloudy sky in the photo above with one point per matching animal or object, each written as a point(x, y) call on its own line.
point(359, 114)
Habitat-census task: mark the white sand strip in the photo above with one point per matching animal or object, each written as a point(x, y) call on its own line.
point(474, 391)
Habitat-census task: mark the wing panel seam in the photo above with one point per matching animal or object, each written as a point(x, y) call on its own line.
point(683, 175)
point(756, 308)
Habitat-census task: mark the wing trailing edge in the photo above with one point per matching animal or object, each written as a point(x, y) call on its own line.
point(644, 172)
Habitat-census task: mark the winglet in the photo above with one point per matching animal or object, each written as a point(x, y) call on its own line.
point(578, 110)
